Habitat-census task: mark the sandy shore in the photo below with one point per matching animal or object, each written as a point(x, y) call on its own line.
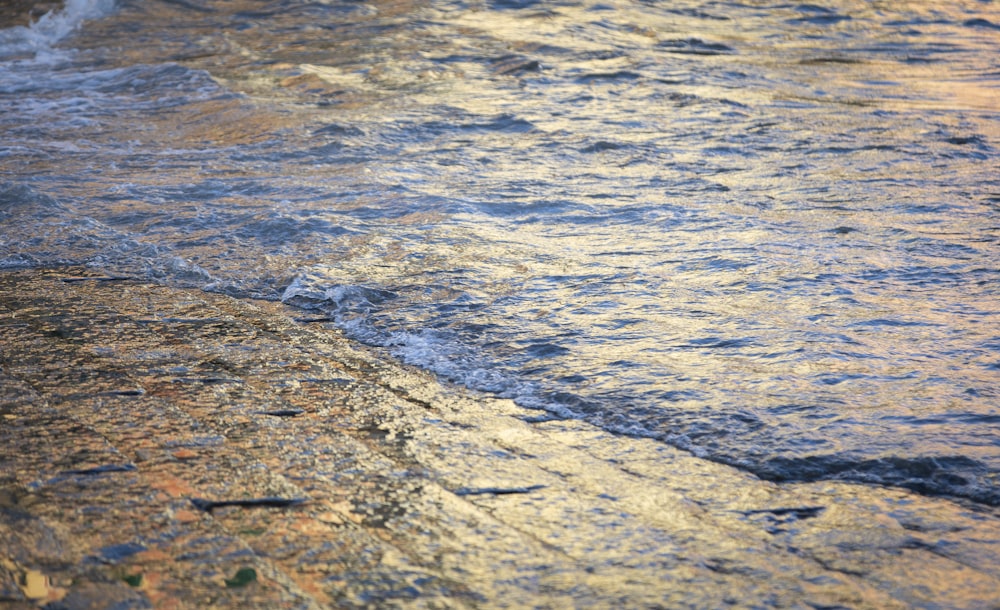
point(174, 449)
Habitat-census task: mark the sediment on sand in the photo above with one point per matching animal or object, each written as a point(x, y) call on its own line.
point(174, 448)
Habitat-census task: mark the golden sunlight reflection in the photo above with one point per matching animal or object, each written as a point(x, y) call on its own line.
point(505, 302)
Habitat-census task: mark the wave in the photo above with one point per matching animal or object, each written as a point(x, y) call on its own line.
point(454, 351)
point(40, 231)
point(39, 38)
point(941, 475)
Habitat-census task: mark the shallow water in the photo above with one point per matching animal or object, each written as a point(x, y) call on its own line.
point(766, 233)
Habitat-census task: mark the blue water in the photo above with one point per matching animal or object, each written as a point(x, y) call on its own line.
point(768, 233)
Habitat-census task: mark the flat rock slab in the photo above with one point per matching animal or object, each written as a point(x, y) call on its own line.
point(168, 448)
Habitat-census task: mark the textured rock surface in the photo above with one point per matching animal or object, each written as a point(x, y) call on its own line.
point(175, 449)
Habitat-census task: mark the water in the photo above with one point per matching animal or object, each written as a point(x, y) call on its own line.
point(768, 233)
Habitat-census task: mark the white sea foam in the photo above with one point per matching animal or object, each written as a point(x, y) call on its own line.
point(38, 38)
point(354, 307)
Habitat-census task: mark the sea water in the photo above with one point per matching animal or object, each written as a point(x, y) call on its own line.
point(765, 232)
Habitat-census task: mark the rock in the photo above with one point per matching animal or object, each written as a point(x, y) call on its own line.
point(419, 494)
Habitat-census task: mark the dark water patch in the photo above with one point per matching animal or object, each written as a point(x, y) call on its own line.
point(981, 23)
point(508, 5)
point(714, 263)
point(818, 15)
point(21, 198)
point(695, 46)
point(281, 229)
point(915, 21)
point(944, 247)
point(462, 128)
point(338, 129)
point(462, 304)
point(191, 6)
point(329, 151)
point(797, 512)
point(715, 343)
point(503, 123)
point(940, 475)
point(891, 323)
point(805, 410)
point(780, 520)
point(515, 65)
point(832, 59)
point(844, 150)
point(918, 59)
point(991, 344)
point(620, 323)
point(830, 380)
point(540, 419)
point(964, 140)
point(932, 278)
point(697, 13)
point(545, 350)
point(690, 427)
point(689, 186)
point(601, 146)
point(530, 212)
point(613, 76)
point(680, 395)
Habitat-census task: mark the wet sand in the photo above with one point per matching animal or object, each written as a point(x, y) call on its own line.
point(175, 449)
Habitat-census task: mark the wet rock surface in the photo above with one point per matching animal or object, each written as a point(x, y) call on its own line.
point(165, 448)
point(24, 12)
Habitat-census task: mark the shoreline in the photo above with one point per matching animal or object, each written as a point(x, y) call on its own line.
point(171, 448)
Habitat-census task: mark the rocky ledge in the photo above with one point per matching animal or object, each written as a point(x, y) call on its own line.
point(167, 448)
